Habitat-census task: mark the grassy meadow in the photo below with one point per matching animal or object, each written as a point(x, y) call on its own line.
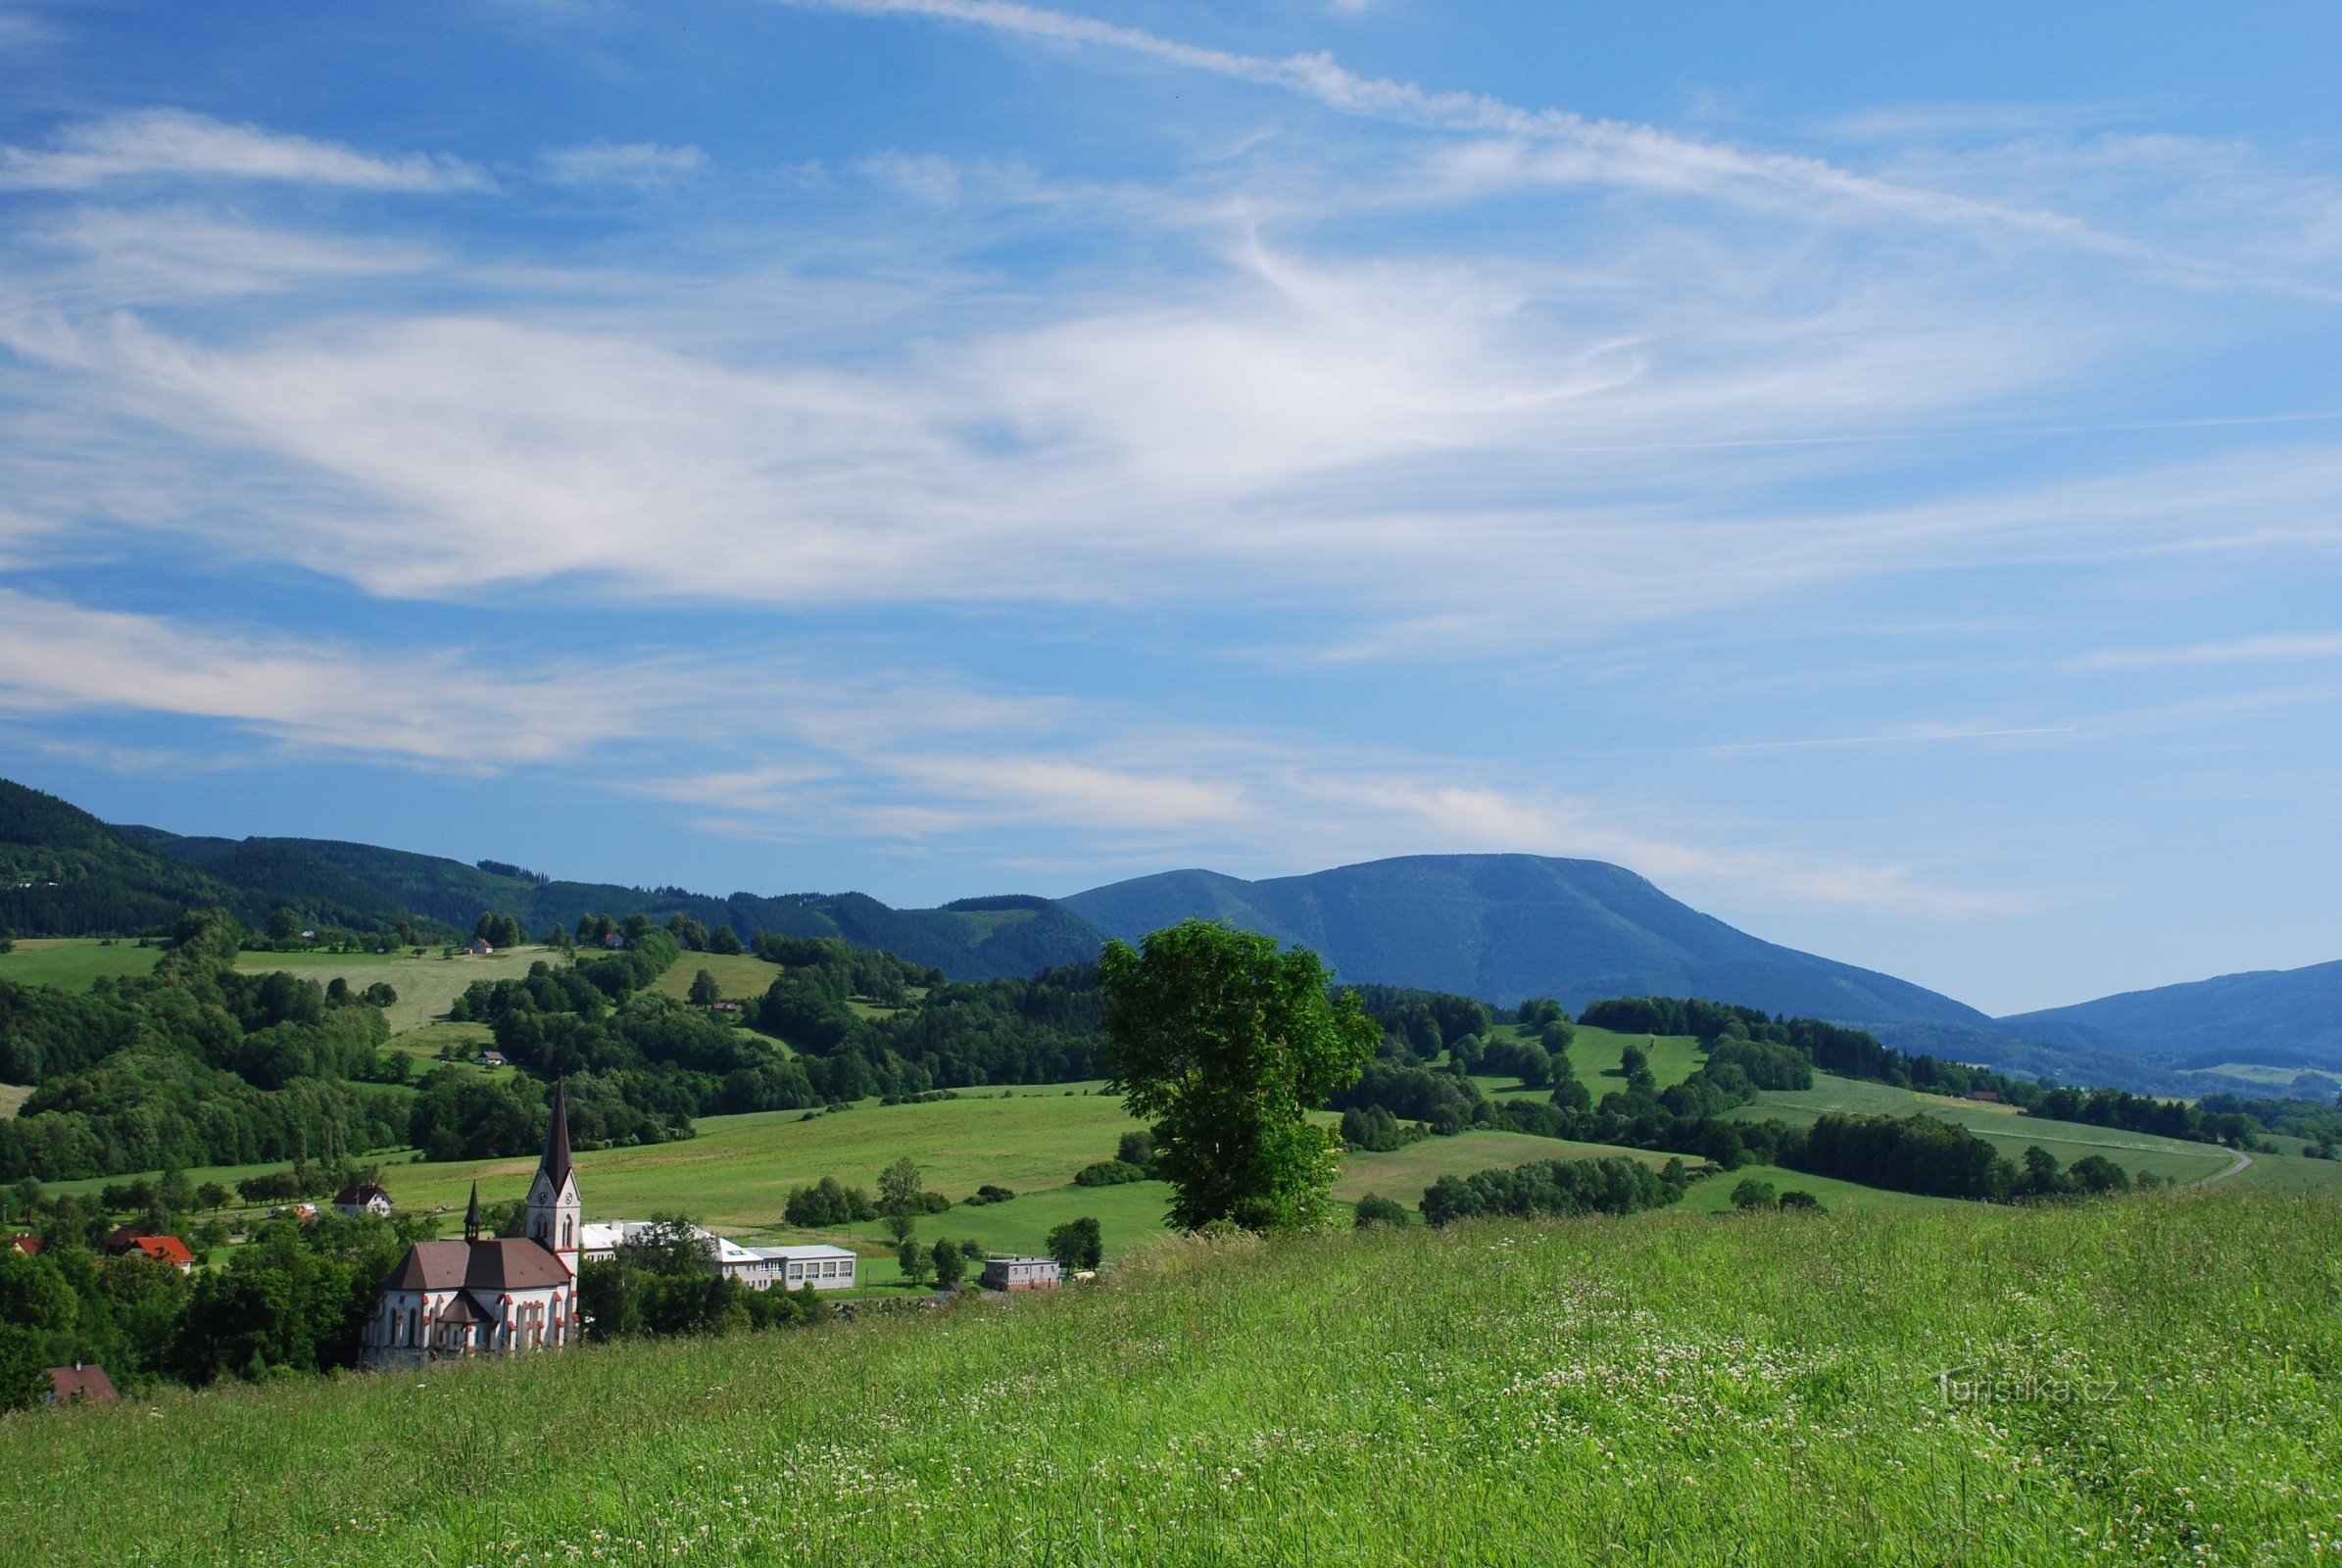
point(2142, 1380)
point(71, 963)
point(2003, 1126)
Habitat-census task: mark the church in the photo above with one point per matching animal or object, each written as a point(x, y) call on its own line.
point(487, 1296)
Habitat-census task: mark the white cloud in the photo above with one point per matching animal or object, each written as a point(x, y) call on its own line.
point(640, 164)
point(131, 256)
point(2270, 646)
point(57, 658)
point(173, 143)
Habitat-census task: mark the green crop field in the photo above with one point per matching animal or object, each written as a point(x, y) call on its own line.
point(427, 985)
point(740, 976)
point(2141, 1381)
point(71, 963)
point(1713, 1195)
point(2008, 1131)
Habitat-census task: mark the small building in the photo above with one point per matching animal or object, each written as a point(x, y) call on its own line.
point(614, 940)
point(362, 1198)
point(819, 1268)
point(306, 1213)
point(123, 1239)
point(83, 1383)
point(479, 948)
point(1990, 1097)
point(27, 1244)
point(1022, 1274)
point(165, 1249)
point(491, 1059)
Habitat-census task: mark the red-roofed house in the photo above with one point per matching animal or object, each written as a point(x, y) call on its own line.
point(79, 1384)
point(29, 1246)
point(165, 1249)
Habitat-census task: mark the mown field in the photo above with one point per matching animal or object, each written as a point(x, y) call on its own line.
point(71, 963)
point(2003, 1126)
point(427, 985)
point(2144, 1381)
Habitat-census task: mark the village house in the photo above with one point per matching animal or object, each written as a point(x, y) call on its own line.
point(362, 1198)
point(128, 1239)
point(1022, 1274)
point(487, 1296)
point(83, 1383)
point(491, 1059)
point(28, 1245)
point(479, 948)
point(166, 1249)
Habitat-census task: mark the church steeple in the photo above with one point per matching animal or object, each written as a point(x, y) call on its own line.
point(471, 1215)
point(555, 1214)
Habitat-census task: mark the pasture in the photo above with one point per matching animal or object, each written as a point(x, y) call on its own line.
point(2002, 1126)
point(2144, 1381)
point(740, 976)
point(71, 963)
point(427, 985)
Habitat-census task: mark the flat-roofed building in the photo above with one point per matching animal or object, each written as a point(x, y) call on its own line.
point(815, 1267)
point(1022, 1274)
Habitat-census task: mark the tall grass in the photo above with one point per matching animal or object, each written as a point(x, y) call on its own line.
point(2146, 1381)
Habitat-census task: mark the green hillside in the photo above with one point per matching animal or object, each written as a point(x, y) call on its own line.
point(2009, 1386)
point(62, 873)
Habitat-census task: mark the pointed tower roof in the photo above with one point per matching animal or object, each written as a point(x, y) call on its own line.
point(471, 1215)
point(555, 1163)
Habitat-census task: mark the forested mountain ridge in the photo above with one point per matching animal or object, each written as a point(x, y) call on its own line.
point(64, 872)
point(2282, 1017)
point(1502, 927)
point(69, 873)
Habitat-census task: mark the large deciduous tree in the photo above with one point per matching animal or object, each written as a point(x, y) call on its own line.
point(1226, 1045)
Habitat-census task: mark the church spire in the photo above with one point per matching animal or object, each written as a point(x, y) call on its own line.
point(555, 1217)
point(471, 1215)
point(555, 1165)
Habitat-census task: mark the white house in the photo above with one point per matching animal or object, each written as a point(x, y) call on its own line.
point(490, 1295)
point(362, 1198)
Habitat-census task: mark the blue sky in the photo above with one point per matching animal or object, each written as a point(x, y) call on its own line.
point(1872, 469)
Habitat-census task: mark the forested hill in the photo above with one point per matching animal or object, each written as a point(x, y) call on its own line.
point(1502, 927)
point(973, 939)
point(2280, 1017)
point(64, 872)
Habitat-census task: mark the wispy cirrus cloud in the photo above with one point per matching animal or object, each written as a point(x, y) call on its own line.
point(179, 144)
point(639, 165)
point(2268, 648)
point(438, 709)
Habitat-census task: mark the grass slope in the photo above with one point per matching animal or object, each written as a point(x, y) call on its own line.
point(1754, 1391)
point(71, 963)
point(427, 985)
point(2008, 1131)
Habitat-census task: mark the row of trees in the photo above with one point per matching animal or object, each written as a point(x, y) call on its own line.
point(294, 1297)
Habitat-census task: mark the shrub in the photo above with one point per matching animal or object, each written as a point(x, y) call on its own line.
point(1109, 1173)
point(1373, 1210)
point(990, 1193)
point(1754, 1193)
